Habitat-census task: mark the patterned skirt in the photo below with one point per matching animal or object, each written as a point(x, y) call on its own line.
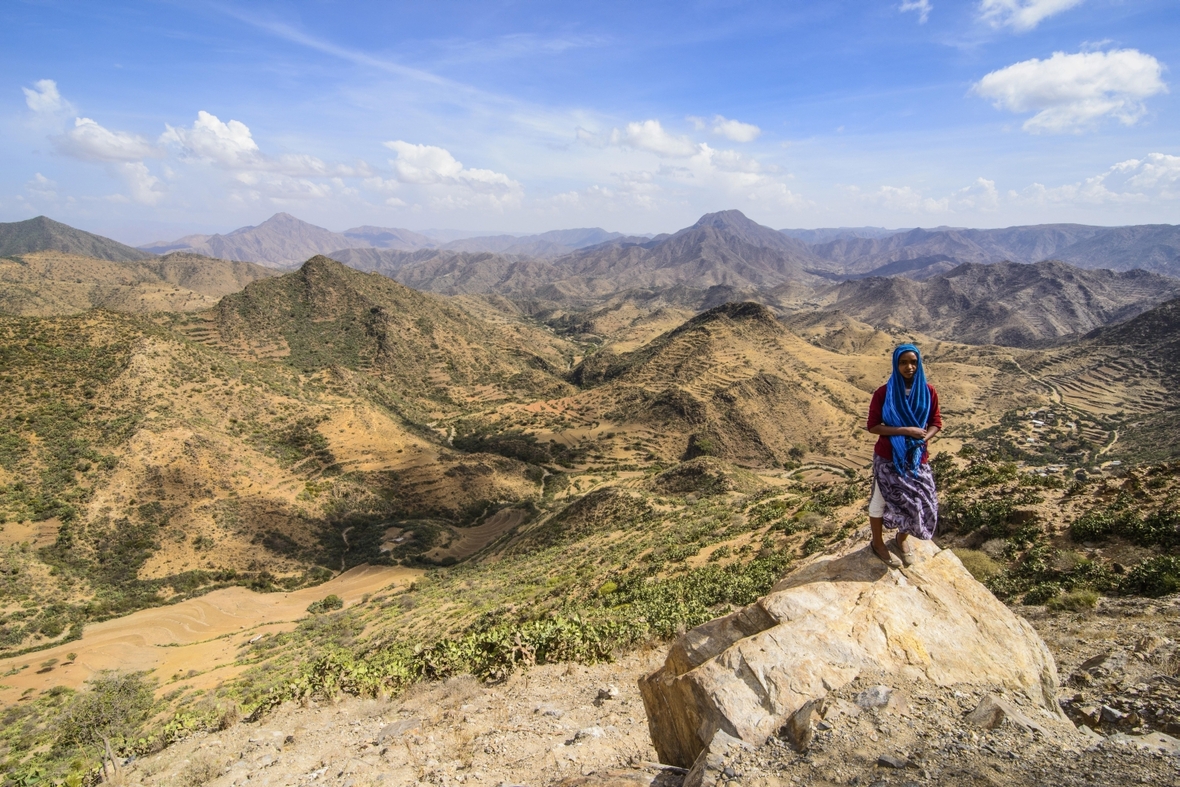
point(911, 504)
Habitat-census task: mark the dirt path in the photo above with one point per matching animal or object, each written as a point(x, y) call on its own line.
point(199, 636)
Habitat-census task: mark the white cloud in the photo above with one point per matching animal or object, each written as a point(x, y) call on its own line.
point(1021, 15)
point(45, 99)
point(1155, 177)
point(231, 146)
point(450, 185)
point(89, 141)
point(734, 174)
point(650, 136)
point(1071, 92)
point(41, 187)
point(735, 130)
point(923, 8)
point(145, 188)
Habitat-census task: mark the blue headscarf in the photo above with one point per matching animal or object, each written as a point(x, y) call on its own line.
point(902, 410)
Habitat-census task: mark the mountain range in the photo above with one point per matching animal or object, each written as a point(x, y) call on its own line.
point(283, 240)
point(1006, 286)
point(834, 253)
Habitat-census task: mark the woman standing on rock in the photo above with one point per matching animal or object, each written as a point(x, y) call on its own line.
point(904, 414)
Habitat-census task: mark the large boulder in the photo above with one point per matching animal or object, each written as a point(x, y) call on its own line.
point(837, 616)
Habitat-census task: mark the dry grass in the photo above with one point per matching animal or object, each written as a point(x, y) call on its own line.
point(981, 565)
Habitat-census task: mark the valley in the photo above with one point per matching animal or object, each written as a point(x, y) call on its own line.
point(497, 458)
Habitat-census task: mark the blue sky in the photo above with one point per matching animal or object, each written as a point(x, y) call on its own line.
point(150, 120)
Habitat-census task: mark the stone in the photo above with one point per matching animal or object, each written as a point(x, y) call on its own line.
point(993, 711)
point(1155, 742)
point(799, 730)
point(398, 728)
point(889, 761)
point(589, 732)
point(839, 615)
point(874, 697)
point(709, 768)
point(1112, 715)
point(608, 693)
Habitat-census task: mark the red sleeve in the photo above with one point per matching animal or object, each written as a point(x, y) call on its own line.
point(875, 407)
point(935, 418)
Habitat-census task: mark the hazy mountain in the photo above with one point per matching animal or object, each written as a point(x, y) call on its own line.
point(546, 244)
point(454, 272)
point(45, 234)
point(723, 248)
point(1152, 247)
point(388, 238)
point(1147, 247)
point(1004, 303)
point(828, 234)
point(1017, 244)
point(278, 242)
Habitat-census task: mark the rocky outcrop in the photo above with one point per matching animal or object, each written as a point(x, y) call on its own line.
point(836, 617)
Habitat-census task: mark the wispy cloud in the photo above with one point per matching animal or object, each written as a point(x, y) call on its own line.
point(922, 7)
point(1021, 15)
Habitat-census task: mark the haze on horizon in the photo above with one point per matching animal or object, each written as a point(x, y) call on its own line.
point(145, 121)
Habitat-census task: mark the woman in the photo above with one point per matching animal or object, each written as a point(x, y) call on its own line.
point(904, 414)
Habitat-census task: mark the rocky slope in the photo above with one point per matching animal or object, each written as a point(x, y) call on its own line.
point(45, 234)
point(1005, 303)
point(48, 283)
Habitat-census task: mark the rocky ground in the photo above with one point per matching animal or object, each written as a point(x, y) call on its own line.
point(537, 727)
point(586, 724)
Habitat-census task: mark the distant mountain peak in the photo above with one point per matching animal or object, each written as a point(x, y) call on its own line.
point(726, 219)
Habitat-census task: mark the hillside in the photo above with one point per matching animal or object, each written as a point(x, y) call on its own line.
point(45, 234)
point(51, 283)
point(327, 315)
point(569, 497)
point(1013, 304)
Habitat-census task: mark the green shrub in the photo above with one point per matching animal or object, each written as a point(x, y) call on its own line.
point(1042, 593)
point(325, 604)
point(114, 706)
point(1154, 577)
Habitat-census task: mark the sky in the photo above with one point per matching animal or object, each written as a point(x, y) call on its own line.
point(148, 120)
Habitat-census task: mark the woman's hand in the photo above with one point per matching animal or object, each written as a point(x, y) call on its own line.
point(916, 432)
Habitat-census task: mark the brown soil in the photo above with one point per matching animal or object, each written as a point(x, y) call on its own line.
point(466, 541)
point(195, 640)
